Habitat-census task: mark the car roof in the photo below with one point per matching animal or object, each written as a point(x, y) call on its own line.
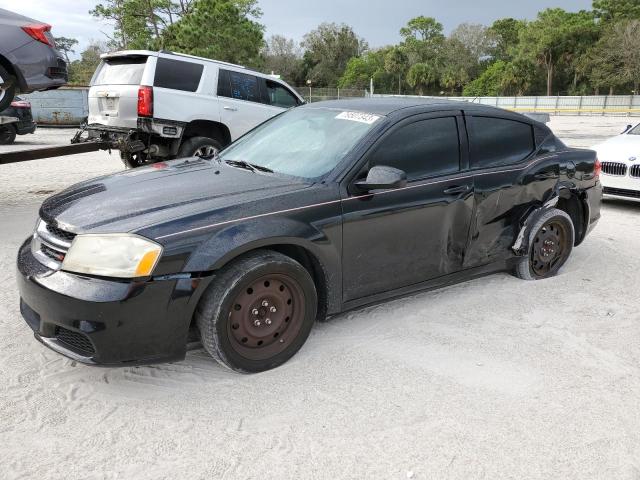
point(389, 105)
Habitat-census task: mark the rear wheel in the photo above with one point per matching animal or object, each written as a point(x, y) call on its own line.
point(550, 244)
point(199, 147)
point(7, 134)
point(7, 89)
point(258, 312)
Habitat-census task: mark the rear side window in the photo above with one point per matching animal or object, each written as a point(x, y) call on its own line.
point(177, 75)
point(240, 86)
point(279, 96)
point(120, 71)
point(421, 149)
point(498, 141)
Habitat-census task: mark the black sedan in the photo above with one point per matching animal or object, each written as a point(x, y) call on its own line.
point(325, 208)
point(21, 121)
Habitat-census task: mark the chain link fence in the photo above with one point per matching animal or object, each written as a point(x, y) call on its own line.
point(318, 94)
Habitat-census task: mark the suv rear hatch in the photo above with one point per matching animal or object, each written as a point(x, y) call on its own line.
point(113, 96)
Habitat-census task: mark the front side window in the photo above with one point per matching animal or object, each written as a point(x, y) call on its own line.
point(240, 86)
point(302, 142)
point(279, 96)
point(498, 141)
point(178, 75)
point(421, 149)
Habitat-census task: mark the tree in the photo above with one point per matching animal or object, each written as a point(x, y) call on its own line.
point(421, 75)
point(457, 64)
point(396, 63)
point(505, 33)
point(224, 30)
point(477, 39)
point(614, 10)
point(81, 71)
point(328, 51)
point(423, 38)
point(500, 78)
point(65, 45)
point(556, 36)
point(283, 57)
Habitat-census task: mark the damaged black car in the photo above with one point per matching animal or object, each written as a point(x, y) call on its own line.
point(322, 209)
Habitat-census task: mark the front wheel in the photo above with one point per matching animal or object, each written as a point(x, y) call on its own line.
point(7, 89)
point(551, 241)
point(258, 312)
point(199, 147)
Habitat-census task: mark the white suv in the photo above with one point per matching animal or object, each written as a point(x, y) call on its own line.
point(159, 105)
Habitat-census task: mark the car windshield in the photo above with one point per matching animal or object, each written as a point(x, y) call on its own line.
point(302, 142)
point(635, 130)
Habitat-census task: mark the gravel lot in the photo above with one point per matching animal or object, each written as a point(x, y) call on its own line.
point(494, 378)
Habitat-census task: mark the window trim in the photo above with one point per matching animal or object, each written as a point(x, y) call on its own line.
point(361, 164)
point(471, 115)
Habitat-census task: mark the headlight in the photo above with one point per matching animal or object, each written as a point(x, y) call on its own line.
point(112, 255)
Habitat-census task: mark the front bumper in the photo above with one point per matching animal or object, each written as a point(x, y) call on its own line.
point(106, 322)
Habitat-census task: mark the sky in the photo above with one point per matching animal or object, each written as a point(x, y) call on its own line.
point(378, 21)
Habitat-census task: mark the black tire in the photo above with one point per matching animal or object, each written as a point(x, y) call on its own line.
point(544, 260)
point(199, 147)
point(133, 160)
point(7, 134)
point(7, 89)
point(222, 319)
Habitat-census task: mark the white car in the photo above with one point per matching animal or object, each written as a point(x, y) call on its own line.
point(161, 105)
point(620, 160)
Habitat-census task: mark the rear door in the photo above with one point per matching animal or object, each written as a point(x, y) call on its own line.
point(510, 178)
point(113, 95)
point(242, 104)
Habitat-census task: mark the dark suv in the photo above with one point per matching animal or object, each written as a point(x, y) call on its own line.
point(29, 61)
point(321, 209)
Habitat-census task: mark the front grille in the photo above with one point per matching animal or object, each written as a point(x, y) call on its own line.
point(52, 253)
point(621, 192)
point(50, 244)
point(59, 233)
point(635, 171)
point(76, 341)
point(614, 168)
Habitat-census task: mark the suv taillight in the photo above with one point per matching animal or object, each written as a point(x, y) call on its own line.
point(145, 101)
point(38, 31)
point(597, 168)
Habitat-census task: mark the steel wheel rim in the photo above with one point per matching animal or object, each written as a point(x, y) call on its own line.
point(206, 151)
point(266, 316)
point(549, 248)
point(3, 89)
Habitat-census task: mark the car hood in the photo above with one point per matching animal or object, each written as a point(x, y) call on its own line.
point(133, 199)
point(620, 148)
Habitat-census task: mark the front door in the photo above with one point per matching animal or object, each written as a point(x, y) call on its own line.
point(396, 238)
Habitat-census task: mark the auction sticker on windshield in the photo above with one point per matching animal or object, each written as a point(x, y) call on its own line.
point(361, 117)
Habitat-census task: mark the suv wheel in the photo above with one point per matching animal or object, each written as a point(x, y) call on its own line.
point(7, 89)
point(550, 244)
point(7, 134)
point(199, 147)
point(258, 312)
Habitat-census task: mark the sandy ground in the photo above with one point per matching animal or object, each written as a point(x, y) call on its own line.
point(494, 378)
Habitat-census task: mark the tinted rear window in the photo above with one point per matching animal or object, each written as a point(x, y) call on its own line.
point(498, 141)
point(240, 86)
point(178, 75)
point(120, 71)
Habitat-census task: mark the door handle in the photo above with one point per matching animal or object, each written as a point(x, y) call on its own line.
point(457, 190)
point(231, 109)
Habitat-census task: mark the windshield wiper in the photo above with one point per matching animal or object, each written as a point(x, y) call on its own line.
point(249, 166)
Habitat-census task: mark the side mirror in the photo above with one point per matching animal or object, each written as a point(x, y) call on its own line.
point(629, 127)
point(382, 178)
